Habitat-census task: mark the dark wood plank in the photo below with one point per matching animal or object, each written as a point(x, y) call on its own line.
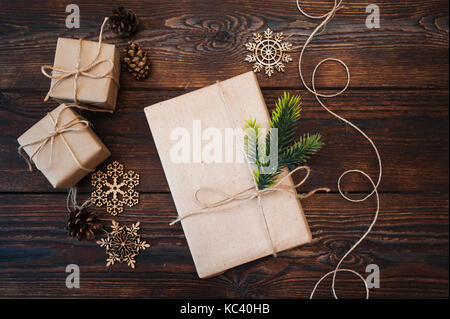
point(409, 127)
point(399, 96)
point(202, 41)
point(409, 244)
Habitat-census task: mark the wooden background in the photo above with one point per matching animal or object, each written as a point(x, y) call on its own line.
point(398, 95)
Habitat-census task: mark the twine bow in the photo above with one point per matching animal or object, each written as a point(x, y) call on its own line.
point(249, 194)
point(60, 74)
point(74, 125)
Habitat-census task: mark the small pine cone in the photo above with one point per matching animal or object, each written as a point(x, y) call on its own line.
point(83, 224)
point(123, 21)
point(136, 60)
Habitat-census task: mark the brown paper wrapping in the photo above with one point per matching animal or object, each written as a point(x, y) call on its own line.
point(63, 171)
point(98, 92)
point(231, 235)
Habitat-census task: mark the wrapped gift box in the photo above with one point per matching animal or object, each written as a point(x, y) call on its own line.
point(100, 92)
point(235, 234)
point(57, 163)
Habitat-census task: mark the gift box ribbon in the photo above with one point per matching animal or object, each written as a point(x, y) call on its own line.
point(75, 125)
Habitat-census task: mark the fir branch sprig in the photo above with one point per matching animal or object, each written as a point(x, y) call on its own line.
point(285, 117)
point(291, 153)
point(299, 153)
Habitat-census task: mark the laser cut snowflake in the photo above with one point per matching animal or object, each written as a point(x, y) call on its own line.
point(110, 188)
point(123, 244)
point(268, 52)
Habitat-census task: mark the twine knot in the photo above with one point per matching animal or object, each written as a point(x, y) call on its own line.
point(259, 193)
point(78, 71)
point(76, 124)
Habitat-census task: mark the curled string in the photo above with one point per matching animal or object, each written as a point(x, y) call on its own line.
point(75, 125)
point(61, 74)
point(327, 17)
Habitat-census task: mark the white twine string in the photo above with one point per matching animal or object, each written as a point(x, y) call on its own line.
point(71, 201)
point(327, 17)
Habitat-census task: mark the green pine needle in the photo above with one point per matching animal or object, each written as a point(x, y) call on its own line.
point(285, 118)
point(254, 132)
point(298, 153)
point(291, 154)
point(265, 180)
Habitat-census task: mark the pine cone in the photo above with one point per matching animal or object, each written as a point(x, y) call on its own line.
point(83, 224)
point(136, 60)
point(123, 21)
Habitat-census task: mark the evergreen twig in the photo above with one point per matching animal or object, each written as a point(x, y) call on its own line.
point(291, 154)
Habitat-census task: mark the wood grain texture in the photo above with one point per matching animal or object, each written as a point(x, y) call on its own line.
point(202, 41)
point(399, 96)
point(408, 243)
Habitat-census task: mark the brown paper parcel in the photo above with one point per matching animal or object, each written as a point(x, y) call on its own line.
point(235, 234)
point(99, 92)
point(61, 170)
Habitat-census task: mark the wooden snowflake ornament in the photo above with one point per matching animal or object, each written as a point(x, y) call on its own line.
point(123, 244)
point(268, 51)
point(115, 188)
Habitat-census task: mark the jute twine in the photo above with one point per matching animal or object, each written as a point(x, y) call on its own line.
point(327, 17)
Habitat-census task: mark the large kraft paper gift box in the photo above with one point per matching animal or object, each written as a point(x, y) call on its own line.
point(59, 163)
point(235, 234)
point(100, 92)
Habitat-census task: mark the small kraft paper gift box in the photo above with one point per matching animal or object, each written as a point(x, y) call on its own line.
point(63, 147)
point(234, 234)
point(85, 72)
